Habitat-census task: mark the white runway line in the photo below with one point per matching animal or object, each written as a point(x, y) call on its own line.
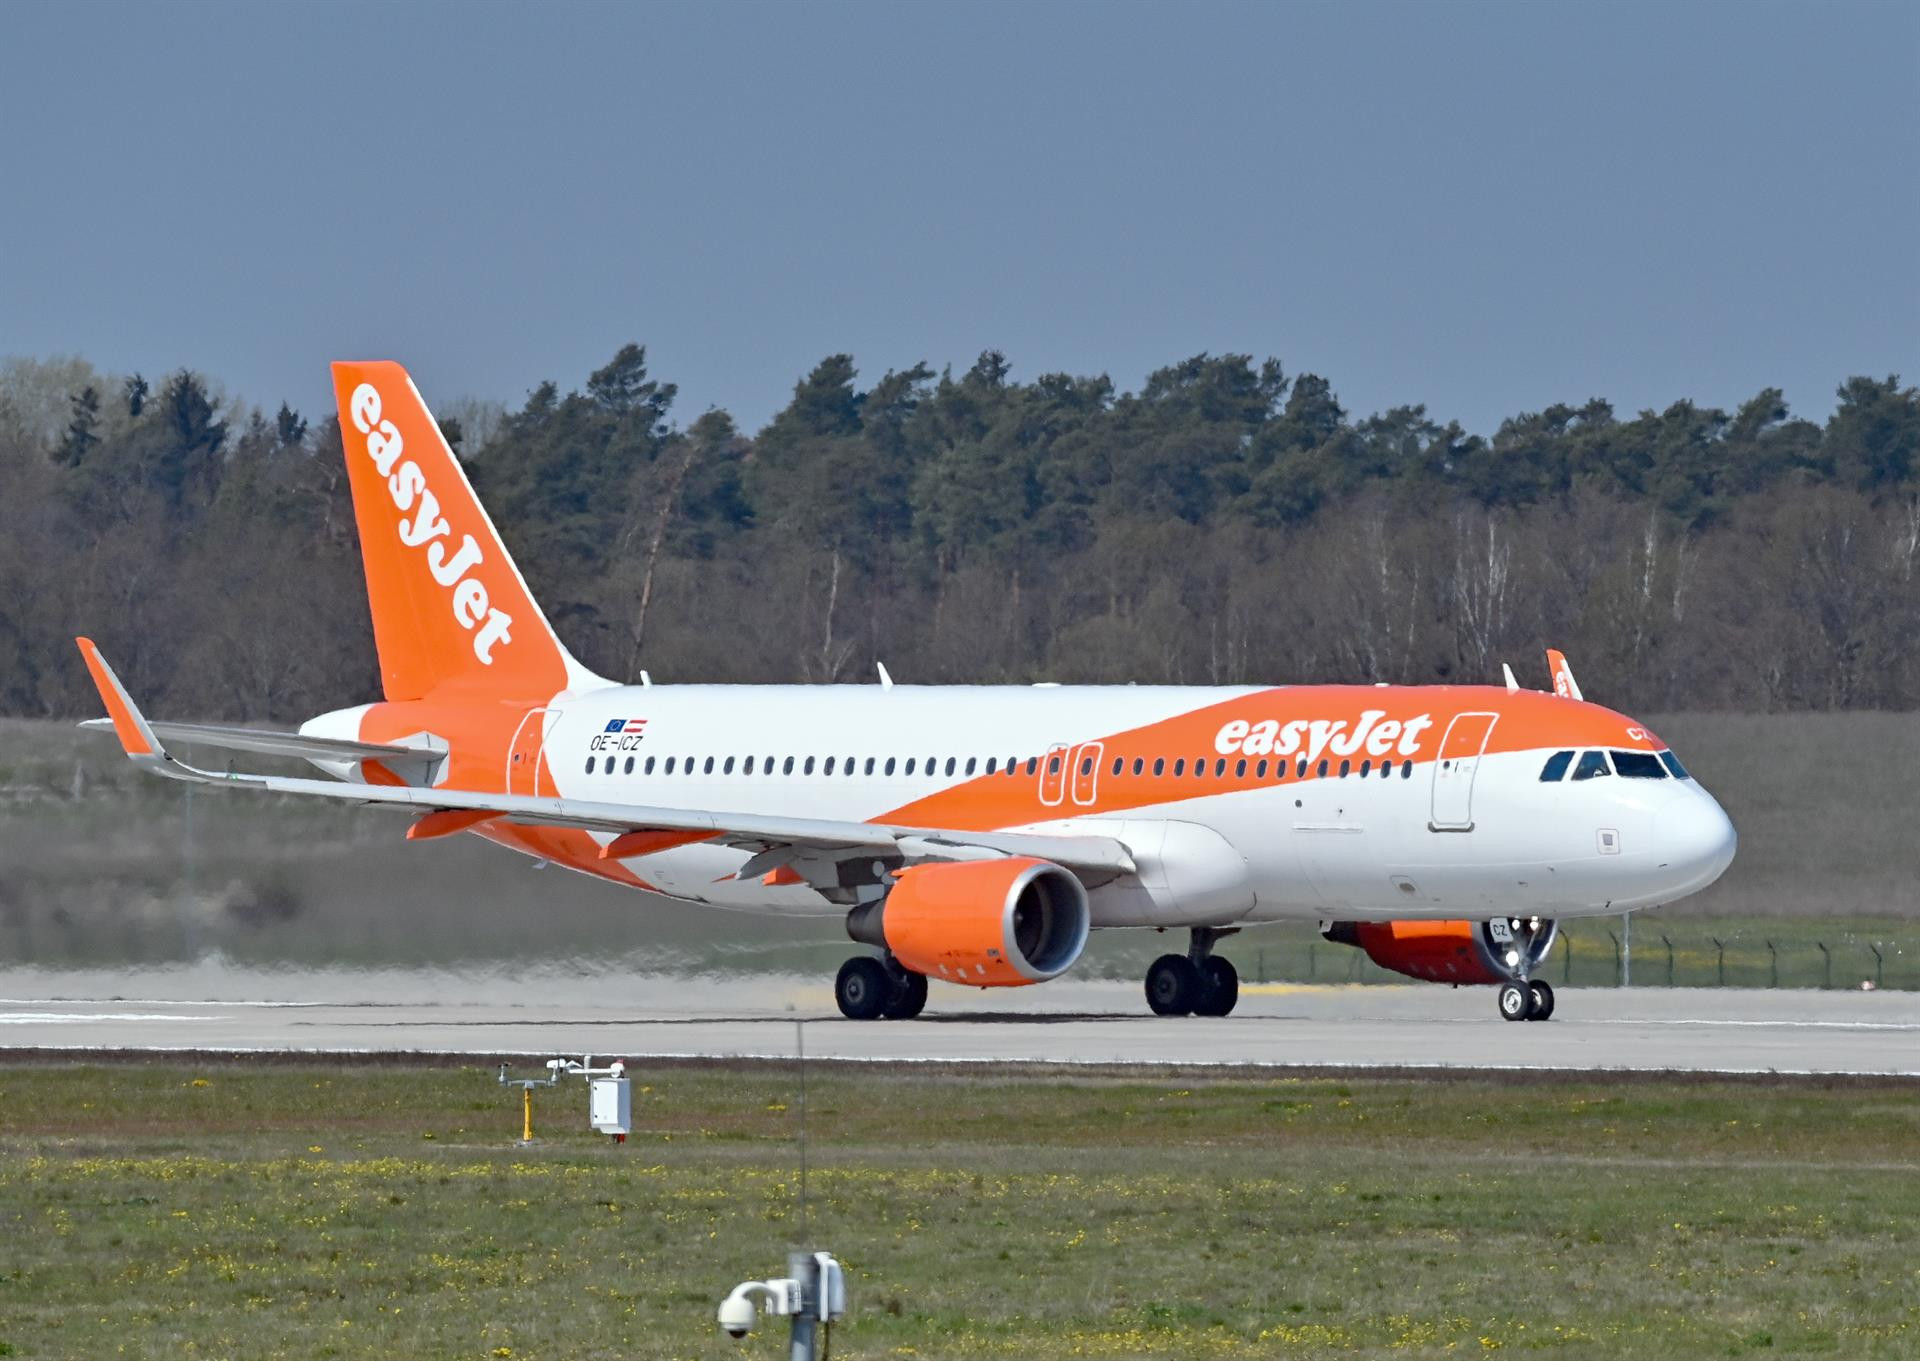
point(90, 1017)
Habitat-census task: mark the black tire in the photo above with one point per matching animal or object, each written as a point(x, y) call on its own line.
point(908, 998)
point(1516, 1001)
point(1540, 1001)
point(1220, 987)
point(1173, 986)
point(863, 988)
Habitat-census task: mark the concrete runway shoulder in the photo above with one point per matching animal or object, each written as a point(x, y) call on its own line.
point(563, 1011)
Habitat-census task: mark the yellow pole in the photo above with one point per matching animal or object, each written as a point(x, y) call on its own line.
point(526, 1133)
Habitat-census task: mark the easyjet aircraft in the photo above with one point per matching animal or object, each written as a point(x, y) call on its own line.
point(966, 833)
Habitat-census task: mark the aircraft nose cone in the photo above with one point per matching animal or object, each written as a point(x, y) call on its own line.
point(1699, 840)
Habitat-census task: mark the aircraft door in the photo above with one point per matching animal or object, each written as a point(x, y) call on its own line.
point(1053, 775)
point(527, 758)
point(1086, 772)
point(1454, 770)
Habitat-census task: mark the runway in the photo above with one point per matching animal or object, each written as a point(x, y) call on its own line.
point(561, 1011)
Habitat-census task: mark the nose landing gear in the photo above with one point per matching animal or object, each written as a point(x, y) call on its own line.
point(1198, 983)
point(1526, 1000)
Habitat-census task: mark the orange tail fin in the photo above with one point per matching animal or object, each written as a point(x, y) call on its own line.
point(449, 607)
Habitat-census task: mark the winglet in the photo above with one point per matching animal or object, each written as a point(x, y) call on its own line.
point(129, 724)
point(1513, 686)
point(1564, 685)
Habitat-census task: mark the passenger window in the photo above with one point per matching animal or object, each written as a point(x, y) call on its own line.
point(1366, 769)
point(806, 767)
point(748, 767)
point(686, 765)
point(1638, 765)
point(1033, 764)
point(669, 765)
point(950, 765)
point(1053, 765)
point(1240, 768)
point(629, 769)
point(1672, 763)
point(1086, 766)
point(647, 769)
point(1260, 771)
point(786, 766)
point(1323, 769)
point(1139, 765)
point(1301, 771)
point(590, 761)
point(1556, 767)
point(870, 766)
point(827, 769)
point(889, 767)
point(1592, 763)
point(1345, 766)
point(970, 764)
point(1220, 768)
point(909, 769)
point(1200, 767)
point(727, 769)
point(1180, 766)
point(1159, 765)
point(1406, 770)
point(1386, 770)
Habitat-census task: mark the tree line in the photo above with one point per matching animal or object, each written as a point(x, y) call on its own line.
point(1227, 523)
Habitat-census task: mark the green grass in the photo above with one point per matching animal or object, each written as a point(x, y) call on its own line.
point(245, 1209)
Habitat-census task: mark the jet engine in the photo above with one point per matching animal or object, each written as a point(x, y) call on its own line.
point(988, 923)
point(1451, 951)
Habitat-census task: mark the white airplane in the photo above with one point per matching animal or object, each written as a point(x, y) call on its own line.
point(973, 834)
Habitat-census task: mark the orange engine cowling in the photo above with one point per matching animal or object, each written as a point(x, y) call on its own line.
point(987, 923)
point(1451, 951)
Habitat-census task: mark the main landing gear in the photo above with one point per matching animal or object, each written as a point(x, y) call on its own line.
point(1198, 983)
point(1526, 1000)
point(870, 989)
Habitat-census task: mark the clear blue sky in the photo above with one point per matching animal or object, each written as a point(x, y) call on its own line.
point(1485, 208)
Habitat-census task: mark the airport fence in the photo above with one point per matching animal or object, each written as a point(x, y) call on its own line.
point(1606, 952)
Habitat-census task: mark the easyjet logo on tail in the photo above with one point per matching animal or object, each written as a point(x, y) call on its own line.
point(1375, 732)
point(426, 528)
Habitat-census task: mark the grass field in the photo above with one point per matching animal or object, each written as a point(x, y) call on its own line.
point(240, 1209)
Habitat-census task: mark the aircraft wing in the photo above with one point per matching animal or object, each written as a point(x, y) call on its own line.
point(775, 840)
point(404, 760)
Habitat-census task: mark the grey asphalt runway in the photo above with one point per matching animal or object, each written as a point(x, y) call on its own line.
point(560, 1011)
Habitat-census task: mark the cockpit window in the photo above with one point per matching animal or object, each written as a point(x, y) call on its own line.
point(1639, 765)
point(1592, 763)
point(1556, 767)
point(1672, 763)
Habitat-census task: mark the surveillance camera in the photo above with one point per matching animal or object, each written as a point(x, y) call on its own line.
point(736, 1315)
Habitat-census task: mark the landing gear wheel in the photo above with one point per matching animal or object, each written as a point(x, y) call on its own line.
point(908, 998)
point(1516, 1001)
point(1540, 1000)
point(1221, 987)
point(1173, 986)
point(863, 988)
